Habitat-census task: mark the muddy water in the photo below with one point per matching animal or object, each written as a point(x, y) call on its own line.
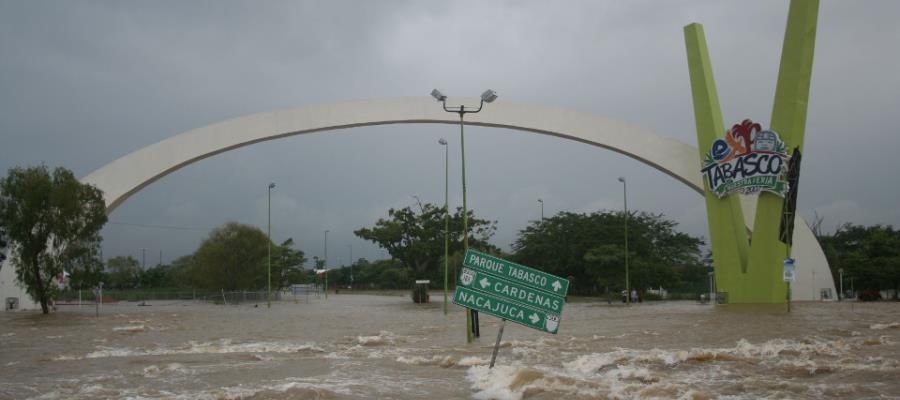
point(368, 346)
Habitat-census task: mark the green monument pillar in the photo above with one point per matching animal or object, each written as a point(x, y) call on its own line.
point(749, 267)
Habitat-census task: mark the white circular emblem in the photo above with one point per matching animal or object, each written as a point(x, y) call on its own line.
point(467, 277)
point(551, 323)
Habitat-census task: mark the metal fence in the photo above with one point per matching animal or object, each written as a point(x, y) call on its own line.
point(243, 296)
point(294, 292)
point(86, 296)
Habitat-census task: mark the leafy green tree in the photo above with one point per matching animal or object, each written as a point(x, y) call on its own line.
point(124, 272)
point(182, 273)
point(287, 265)
point(590, 248)
point(416, 238)
point(52, 222)
point(870, 255)
point(233, 257)
point(2, 245)
point(86, 274)
point(157, 276)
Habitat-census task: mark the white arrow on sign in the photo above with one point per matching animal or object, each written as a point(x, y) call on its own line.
point(556, 286)
point(534, 318)
point(484, 283)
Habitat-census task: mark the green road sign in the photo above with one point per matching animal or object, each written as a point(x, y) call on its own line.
point(516, 273)
point(506, 309)
point(506, 289)
point(511, 291)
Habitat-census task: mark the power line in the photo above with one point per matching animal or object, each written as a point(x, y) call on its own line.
point(180, 228)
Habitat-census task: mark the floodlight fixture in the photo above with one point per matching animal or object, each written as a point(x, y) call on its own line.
point(442, 141)
point(271, 186)
point(621, 179)
point(438, 95)
point(489, 96)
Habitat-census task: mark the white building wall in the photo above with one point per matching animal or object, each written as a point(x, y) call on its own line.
point(9, 288)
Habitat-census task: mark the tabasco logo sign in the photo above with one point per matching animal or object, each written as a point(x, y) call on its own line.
point(748, 160)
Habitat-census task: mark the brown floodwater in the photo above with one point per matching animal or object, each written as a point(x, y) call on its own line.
point(355, 346)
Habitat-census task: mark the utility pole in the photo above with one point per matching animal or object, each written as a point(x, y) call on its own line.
point(351, 265)
point(325, 264)
point(269, 236)
point(627, 282)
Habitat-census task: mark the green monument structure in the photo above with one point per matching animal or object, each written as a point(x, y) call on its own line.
point(751, 160)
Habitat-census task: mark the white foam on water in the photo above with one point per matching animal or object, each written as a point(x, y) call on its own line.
point(383, 338)
point(473, 360)
point(222, 346)
point(154, 371)
point(129, 328)
point(601, 337)
point(65, 357)
point(884, 326)
point(443, 361)
point(688, 374)
point(446, 361)
point(295, 388)
point(494, 383)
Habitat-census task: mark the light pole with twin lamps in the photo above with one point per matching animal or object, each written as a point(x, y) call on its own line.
point(487, 97)
point(269, 236)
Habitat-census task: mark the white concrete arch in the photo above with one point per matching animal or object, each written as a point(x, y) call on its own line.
point(127, 175)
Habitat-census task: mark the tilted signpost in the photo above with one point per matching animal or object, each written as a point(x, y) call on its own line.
point(510, 291)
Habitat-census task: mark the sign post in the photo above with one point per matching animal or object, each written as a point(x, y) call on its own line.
point(510, 291)
point(790, 269)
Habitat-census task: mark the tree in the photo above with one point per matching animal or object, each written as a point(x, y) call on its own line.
point(591, 249)
point(2, 245)
point(52, 222)
point(870, 255)
point(287, 265)
point(157, 276)
point(417, 238)
point(233, 257)
point(182, 272)
point(124, 272)
point(87, 274)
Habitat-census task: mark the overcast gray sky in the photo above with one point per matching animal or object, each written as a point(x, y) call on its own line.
point(85, 82)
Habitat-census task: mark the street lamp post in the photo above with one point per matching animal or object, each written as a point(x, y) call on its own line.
point(443, 142)
point(841, 294)
point(487, 97)
point(542, 209)
point(627, 283)
point(269, 236)
point(143, 258)
point(325, 264)
point(351, 265)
